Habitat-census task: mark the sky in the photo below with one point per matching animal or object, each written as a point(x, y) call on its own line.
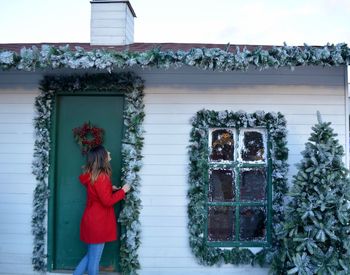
point(257, 22)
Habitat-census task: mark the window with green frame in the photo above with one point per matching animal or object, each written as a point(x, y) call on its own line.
point(239, 191)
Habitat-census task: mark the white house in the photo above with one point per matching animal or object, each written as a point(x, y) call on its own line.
point(179, 81)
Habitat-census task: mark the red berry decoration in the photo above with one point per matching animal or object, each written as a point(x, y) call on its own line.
point(88, 136)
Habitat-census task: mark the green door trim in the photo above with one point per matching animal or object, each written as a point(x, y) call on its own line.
point(131, 87)
point(51, 203)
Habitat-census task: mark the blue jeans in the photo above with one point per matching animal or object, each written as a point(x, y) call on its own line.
point(91, 260)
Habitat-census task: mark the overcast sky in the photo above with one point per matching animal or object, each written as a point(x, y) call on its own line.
point(258, 22)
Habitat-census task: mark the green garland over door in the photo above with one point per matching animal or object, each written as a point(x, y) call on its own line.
point(131, 86)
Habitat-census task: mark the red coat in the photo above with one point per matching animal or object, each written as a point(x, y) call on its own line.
point(98, 224)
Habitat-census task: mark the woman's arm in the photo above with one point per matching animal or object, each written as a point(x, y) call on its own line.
point(103, 187)
point(84, 178)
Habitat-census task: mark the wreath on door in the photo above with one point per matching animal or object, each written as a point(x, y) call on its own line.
point(88, 136)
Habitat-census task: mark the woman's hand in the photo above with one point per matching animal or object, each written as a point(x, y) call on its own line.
point(115, 188)
point(126, 188)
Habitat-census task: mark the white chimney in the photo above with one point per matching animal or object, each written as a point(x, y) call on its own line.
point(112, 22)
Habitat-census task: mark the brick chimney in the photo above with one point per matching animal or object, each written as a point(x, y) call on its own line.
point(112, 22)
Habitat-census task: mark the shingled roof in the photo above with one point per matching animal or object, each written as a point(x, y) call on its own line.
point(135, 47)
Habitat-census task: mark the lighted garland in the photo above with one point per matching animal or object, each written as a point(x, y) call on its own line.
point(275, 125)
point(29, 59)
point(127, 84)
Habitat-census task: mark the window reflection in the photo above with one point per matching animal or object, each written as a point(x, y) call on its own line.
point(253, 146)
point(253, 185)
point(221, 223)
point(252, 223)
point(221, 186)
point(222, 145)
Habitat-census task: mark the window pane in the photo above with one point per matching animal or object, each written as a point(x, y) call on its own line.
point(221, 223)
point(253, 146)
point(252, 223)
point(253, 185)
point(221, 185)
point(222, 145)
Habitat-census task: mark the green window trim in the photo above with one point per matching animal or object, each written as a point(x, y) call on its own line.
point(236, 166)
point(275, 163)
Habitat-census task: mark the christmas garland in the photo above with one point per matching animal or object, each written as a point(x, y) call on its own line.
point(28, 59)
point(275, 125)
point(132, 87)
point(82, 133)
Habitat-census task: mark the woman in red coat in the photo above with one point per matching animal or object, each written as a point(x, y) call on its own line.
point(98, 224)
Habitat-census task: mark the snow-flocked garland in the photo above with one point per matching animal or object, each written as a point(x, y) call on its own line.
point(29, 59)
point(275, 125)
point(132, 87)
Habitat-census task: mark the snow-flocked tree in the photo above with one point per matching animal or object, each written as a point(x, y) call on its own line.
point(315, 235)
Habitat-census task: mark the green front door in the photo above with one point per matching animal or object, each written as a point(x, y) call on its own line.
point(103, 111)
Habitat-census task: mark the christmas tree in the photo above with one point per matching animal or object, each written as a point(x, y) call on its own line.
point(315, 236)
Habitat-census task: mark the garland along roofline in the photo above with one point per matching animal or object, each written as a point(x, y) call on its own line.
point(275, 125)
point(51, 57)
point(131, 86)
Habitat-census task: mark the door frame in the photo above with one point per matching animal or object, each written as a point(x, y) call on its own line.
point(51, 228)
point(131, 87)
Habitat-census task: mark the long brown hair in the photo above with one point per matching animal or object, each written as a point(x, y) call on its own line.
point(97, 163)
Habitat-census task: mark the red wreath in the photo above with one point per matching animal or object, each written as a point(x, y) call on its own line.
point(88, 136)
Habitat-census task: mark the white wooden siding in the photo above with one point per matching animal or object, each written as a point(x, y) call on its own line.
point(17, 93)
point(129, 26)
point(172, 97)
point(111, 24)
